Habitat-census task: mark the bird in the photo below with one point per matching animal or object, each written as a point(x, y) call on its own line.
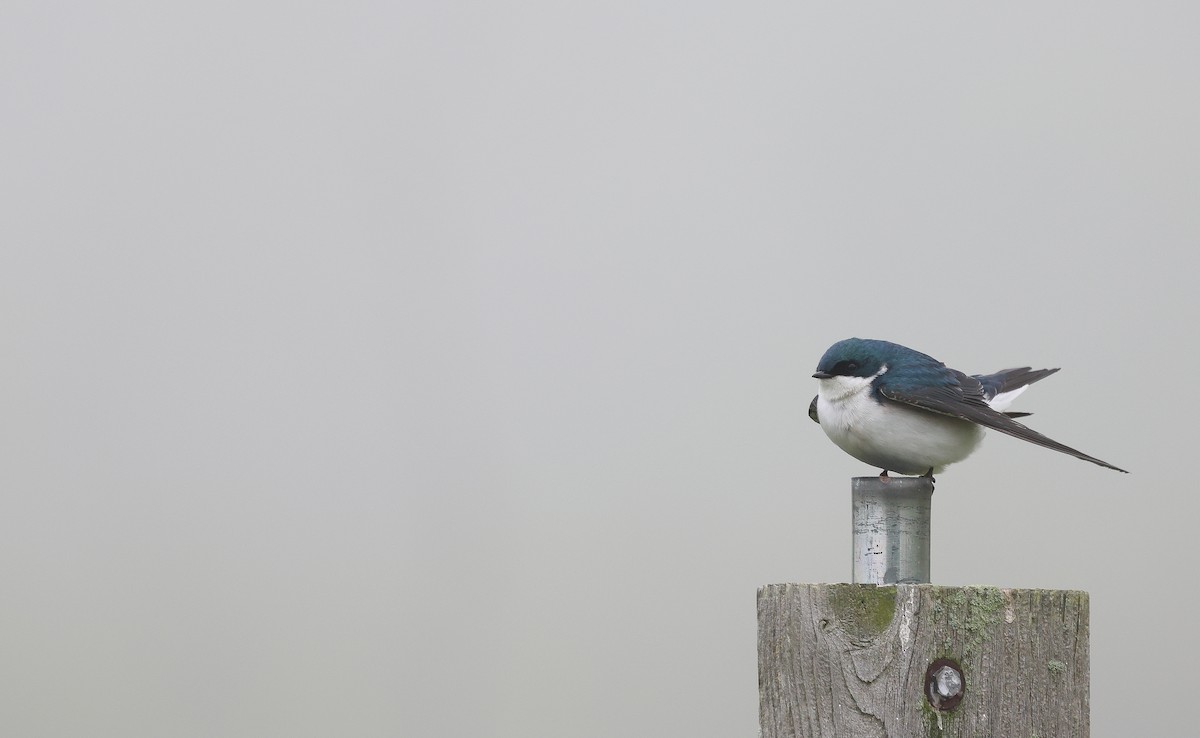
point(903, 411)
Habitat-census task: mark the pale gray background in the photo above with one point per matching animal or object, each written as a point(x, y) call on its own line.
point(441, 369)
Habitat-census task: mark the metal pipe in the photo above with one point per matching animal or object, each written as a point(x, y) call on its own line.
point(891, 529)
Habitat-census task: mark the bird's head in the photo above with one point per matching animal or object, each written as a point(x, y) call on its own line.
point(853, 357)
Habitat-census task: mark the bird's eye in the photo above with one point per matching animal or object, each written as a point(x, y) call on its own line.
point(845, 367)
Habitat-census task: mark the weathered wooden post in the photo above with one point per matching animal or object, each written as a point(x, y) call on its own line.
point(892, 655)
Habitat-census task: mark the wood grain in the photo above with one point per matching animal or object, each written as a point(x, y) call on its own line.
point(849, 660)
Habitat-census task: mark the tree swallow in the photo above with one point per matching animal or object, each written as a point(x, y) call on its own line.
point(906, 412)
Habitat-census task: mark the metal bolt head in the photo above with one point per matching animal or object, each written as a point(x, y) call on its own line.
point(948, 681)
point(944, 684)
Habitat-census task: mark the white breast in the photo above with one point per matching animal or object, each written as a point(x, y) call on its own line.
point(891, 436)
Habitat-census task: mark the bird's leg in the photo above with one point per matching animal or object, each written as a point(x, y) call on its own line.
point(883, 476)
point(929, 474)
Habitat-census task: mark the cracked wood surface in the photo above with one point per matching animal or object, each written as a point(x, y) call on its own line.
point(849, 660)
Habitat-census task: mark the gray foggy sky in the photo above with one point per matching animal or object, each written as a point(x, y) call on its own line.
point(441, 369)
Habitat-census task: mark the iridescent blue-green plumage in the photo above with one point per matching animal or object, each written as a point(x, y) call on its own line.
point(906, 368)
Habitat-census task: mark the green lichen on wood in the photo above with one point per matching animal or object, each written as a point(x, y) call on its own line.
point(864, 611)
point(969, 617)
point(937, 722)
point(971, 614)
point(1056, 667)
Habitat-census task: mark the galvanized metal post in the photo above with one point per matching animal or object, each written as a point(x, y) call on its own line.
point(891, 529)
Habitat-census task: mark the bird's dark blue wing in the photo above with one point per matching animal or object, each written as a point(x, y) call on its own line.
point(966, 399)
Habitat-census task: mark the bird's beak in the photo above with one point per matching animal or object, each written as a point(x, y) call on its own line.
point(821, 375)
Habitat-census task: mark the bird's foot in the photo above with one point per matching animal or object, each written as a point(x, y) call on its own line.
point(883, 476)
point(929, 474)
